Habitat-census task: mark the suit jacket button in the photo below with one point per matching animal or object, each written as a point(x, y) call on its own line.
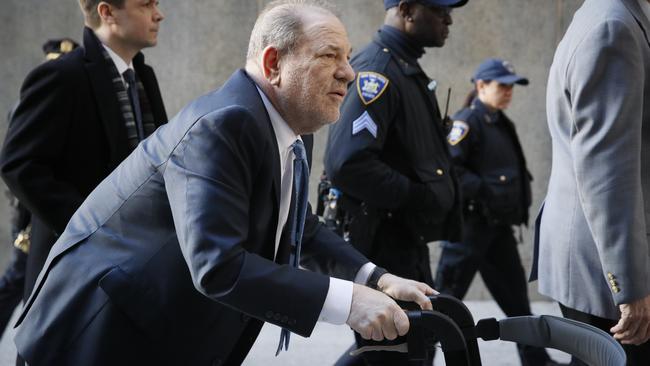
point(269, 314)
point(503, 178)
point(440, 172)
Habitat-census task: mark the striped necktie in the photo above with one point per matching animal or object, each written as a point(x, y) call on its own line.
point(129, 76)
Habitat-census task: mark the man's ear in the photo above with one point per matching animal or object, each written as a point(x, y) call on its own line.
point(105, 11)
point(406, 10)
point(271, 65)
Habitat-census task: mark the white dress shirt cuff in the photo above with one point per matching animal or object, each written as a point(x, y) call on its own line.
point(338, 301)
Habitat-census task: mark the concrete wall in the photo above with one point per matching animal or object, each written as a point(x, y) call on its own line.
point(203, 41)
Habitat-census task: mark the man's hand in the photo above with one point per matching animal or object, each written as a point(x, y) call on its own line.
point(406, 290)
point(634, 325)
point(376, 316)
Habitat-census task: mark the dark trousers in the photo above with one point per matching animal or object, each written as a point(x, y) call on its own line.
point(636, 355)
point(492, 251)
point(395, 249)
point(11, 287)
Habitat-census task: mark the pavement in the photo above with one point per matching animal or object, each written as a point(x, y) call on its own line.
point(328, 342)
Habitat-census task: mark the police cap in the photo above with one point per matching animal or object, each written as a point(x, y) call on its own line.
point(498, 70)
point(450, 3)
point(54, 48)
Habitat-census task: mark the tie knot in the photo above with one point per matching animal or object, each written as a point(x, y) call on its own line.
point(129, 76)
point(299, 150)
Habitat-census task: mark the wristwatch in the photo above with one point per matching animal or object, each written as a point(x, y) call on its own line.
point(375, 276)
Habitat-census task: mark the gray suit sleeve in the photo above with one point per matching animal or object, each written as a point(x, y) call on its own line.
point(607, 106)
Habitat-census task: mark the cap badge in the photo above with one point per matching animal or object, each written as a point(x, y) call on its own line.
point(508, 66)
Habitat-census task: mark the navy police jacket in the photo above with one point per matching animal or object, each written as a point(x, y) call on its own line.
point(388, 149)
point(495, 181)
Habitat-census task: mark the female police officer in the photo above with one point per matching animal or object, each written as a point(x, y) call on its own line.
point(495, 187)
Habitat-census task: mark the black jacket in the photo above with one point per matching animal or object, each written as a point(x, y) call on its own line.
point(491, 165)
point(398, 163)
point(66, 135)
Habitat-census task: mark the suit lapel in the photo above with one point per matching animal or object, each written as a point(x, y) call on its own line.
point(242, 90)
point(105, 98)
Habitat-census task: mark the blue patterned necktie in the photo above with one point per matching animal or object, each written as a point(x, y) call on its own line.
point(129, 76)
point(297, 219)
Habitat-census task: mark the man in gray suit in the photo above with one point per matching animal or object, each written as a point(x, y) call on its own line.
point(592, 253)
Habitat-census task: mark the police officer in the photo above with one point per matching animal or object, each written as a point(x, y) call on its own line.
point(388, 154)
point(495, 185)
point(13, 280)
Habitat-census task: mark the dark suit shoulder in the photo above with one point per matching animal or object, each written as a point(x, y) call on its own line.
point(64, 71)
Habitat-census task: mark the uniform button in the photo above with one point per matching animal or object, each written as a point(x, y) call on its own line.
point(610, 275)
point(503, 178)
point(269, 314)
point(292, 321)
point(616, 289)
point(386, 50)
point(440, 172)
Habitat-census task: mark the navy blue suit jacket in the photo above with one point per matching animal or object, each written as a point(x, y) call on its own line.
point(180, 238)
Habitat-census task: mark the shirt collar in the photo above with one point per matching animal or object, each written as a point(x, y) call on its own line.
point(645, 6)
point(283, 133)
point(118, 61)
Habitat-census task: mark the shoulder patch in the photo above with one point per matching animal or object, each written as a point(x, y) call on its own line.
point(370, 86)
point(364, 122)
point(458, 132)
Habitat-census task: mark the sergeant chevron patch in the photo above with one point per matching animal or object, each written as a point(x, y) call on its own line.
point(458, 132)
point(370, 86)
point(364, 122)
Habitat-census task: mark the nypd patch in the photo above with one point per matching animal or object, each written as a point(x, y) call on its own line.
point(370, 86)
point(458, 132)
point(364, 122)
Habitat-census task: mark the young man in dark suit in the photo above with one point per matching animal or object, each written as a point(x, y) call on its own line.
point(191, 244)
point(78, 118)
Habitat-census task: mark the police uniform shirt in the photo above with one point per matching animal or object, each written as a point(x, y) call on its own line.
point(338, 301)
point(389, 148)
point(489, 159)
